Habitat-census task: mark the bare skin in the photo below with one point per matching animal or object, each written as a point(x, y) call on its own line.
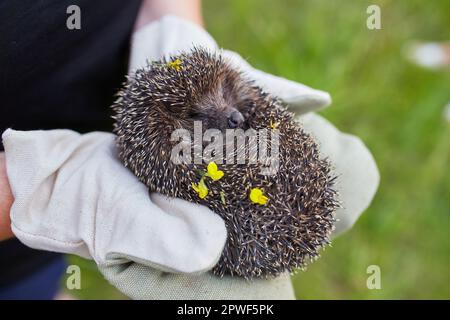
point(446, 47)
point(6, 200)
point(150, 10)
point(154, 9)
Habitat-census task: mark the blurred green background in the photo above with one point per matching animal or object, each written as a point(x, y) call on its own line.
point(394, 106)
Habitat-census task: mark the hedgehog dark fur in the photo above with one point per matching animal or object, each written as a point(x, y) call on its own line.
point(263, 240)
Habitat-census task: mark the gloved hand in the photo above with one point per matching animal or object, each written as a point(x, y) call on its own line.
point(357, 184)
point(72, 195)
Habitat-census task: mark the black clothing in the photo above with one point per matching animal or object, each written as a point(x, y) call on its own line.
point(53, 77)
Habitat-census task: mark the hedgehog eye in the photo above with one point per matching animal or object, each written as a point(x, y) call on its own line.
point(196, 115)
point(246, 109)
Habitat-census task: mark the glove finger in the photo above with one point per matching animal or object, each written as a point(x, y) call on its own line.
point(358, 176)
point(206, 228)
point(166, 36)
point(170, 234)
point(141, 282)
point(300, 98)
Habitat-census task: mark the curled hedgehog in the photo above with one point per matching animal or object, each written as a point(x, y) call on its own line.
point(276, 221)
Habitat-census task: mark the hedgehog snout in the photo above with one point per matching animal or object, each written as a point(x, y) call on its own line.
point(235, 120)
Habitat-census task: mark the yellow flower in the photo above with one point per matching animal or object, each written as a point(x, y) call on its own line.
point(176, 64)
point(201, 189)
point(274, 125)
point(257, 196)
point(213, 171)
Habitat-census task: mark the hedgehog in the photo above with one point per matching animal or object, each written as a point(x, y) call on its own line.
point(277, 220)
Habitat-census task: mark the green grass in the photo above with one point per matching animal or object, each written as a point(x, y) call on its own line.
point(395, 107)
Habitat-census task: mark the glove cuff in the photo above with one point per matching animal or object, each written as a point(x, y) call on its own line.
point(163, 38)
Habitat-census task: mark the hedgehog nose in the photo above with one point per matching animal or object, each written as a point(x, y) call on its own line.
point(235, 119)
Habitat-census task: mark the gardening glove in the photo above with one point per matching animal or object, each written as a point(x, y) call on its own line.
point(73, 195)
point(171, 35)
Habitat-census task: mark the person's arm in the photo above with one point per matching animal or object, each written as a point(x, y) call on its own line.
point(6, 200)
point(151, 10)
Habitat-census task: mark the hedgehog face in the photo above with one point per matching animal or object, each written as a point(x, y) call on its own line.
point(223, 108)
point(203, 87)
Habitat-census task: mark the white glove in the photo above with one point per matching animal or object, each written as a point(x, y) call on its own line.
point(73, 195)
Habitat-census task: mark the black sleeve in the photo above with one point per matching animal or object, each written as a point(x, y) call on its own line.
point(52, 77)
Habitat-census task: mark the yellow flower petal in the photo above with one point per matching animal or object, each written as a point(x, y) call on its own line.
point(263, 200)
point(203, 193)
point(274, 125)
point(213, 171)
point(201, 189)
point(255, 193)
point(176, 64)
point(212, 167)
point(217, 175)
point(257, 196)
